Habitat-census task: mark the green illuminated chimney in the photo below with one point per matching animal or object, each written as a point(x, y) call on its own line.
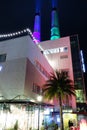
point(55, 33)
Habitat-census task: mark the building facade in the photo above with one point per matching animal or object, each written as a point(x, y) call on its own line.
point(24, 68)
point(64, 54)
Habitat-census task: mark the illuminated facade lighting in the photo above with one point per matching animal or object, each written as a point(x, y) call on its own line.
point(0, 68)
point(82, 61)
point(18, 33)
point(36, 32)
point(55, 50)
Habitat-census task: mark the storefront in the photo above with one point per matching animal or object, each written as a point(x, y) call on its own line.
point(23, 115)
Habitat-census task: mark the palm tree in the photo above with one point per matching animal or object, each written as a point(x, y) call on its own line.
point(58, 86)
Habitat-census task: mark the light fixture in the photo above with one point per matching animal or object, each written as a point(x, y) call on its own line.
point(0, 68)
point(39, 98)
point(27, 30)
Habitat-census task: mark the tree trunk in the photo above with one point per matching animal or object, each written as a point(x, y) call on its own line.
point(61, 114)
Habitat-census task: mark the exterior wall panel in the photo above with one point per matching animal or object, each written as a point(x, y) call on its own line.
point(12, 78)
point(32, 77)
point(58, 63)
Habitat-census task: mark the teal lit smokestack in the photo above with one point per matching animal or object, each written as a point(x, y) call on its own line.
point(55, 33)
point(36, 32)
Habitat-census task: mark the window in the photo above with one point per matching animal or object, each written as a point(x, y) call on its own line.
point(79, 95)
point(36, 88)
point(64, 56)
point(66, 71)
point(2, 57)
point(65, 49)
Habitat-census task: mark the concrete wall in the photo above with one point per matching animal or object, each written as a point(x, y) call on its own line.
point(12, 78)
point(23, 47)
point(15, 78)
point(32, 77)
point(54, 59)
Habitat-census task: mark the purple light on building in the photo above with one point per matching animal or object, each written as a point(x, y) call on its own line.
point(36, 32)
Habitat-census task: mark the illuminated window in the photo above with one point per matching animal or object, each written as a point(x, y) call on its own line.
point(79, 95)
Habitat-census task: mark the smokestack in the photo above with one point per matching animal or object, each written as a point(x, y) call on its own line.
point(55, 33)
point(36, 32)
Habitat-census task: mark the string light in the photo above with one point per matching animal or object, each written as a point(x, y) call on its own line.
point(27, 30)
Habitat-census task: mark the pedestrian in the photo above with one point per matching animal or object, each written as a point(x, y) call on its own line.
point(70, 123)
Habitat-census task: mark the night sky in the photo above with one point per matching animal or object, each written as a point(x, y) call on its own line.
point(16, 15)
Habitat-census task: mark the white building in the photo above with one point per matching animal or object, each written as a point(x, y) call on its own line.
point(23, 67)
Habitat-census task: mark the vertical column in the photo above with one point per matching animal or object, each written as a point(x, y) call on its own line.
point(55, 33)
point(36, 32)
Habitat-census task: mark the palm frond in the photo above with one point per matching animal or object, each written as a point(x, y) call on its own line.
point(59, 83)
